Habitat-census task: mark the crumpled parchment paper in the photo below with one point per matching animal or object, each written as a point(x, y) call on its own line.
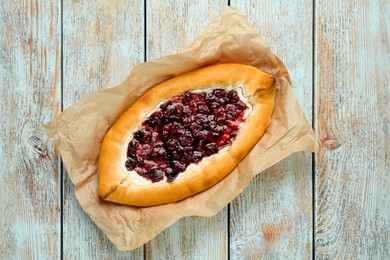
point(80, 129)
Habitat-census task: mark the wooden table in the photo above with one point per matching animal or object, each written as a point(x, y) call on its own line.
point(331, 205)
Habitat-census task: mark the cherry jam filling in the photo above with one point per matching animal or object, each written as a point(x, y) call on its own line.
point(184, 130)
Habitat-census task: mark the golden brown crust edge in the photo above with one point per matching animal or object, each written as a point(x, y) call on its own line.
point(114, 183)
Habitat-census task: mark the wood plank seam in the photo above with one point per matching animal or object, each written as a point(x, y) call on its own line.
point(228, 253)
point(145, 59)
point(313, 159)
point(60, 159)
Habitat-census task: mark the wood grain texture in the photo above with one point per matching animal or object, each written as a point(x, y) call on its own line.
point(170, 28)
point(103, 40)
point(272, 218)
point(30, 83)
point(352, 116)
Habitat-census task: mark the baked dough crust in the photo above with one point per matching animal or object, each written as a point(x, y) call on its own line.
point(115, 183)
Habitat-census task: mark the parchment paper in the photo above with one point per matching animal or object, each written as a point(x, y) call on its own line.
point(80, 129)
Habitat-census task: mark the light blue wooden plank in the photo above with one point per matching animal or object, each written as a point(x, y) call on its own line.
point(172, 26)
point(103, 40)
point(272, 218)
point(30, 94)
point(352, 117)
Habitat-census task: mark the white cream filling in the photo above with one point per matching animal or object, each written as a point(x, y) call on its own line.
point(141, 181)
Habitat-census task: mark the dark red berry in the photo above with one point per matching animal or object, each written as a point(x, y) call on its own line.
point(156, 174)
point(201, 135)
point(170, 174)
point(178, 166)
point(210, 148)
point(130, 164)
point(186, 111)
point(187, 97)
point(214, 106)
point(172, 144)
point(219, 93)
point(241, 105)
point(197, 156)
point(223, 100)
point(203, 109)
point(233, 96)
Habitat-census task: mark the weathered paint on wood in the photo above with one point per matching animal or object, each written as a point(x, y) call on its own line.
point(272, 218)
point(352, 116)
point(103, 40)
point(30, 61)
point(170, 28)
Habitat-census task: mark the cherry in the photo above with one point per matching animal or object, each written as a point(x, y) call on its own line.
point(130, 163)
point(186, 111)
point(156, 174)
point(233, 96)
point(210, 148)
point(139, 158)
point(220, 93)
point(221, 120)
point(240, 105)
point(194, 105)
point(215, 134)
point(138, 135)
point(171, 174)
point(220, 129)
point(141, 171)
point(186, 157)
point(197, 156)
point(186, 140)
point(203, 109)
point(156, 115)
point(214, 106)
point(164, 106)
point(176, 155)
point(223, 100)
point(195, 127)
point(148, 164)
point(210, 96)
point(158, 151)
point(172, 144)
point(201, 135)
point(231, 109)
point(154, 119)
point(201, 119)
point(186, 98)
point(178, 166)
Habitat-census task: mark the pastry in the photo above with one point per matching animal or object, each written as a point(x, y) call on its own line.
point(185, 135)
